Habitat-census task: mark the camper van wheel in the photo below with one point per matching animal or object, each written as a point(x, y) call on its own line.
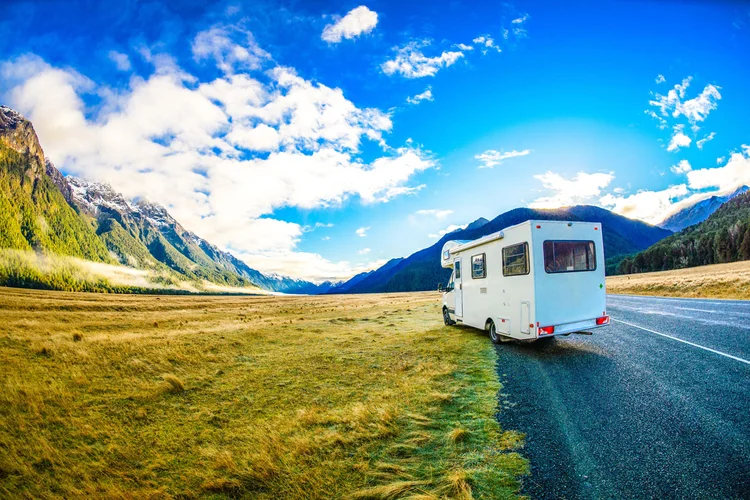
point(447, 317)
point(494, 337)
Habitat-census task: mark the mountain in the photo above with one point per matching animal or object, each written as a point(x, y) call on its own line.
point(723, 237)
point(49, 214)
point(34, 215)
point(476, 224)
point(422, 270)
point(345, 286)
point(698, 212)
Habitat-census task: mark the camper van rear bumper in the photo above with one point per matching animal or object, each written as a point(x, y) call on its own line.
point(577, 326)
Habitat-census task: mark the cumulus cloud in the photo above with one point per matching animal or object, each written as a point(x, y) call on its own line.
point(580, 189)
point(679, 139)
point(364, 251)
point(231, 48)
point(648, 206)
point(682, 167)
point(356, 22)
point(362, 231)
point(660, 79)
point(656, 206)
point(410, 62)
point(122, 61)
point(424, 96)
point(220, 155)
point(492, 158)
point(437, 213)
point(703, 141)
point(725, 179)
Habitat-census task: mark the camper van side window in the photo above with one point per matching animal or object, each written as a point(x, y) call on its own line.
point(478, 267)
point(569, 256)
point(458, 269)
point(516, 260)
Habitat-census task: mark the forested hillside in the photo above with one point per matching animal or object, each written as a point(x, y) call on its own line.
point(723, 237)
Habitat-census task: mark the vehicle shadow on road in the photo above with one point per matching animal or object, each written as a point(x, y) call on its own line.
point(553, 349)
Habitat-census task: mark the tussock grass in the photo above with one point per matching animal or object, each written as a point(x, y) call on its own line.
point(327, 406)
point(717, 281)
point(175, 384)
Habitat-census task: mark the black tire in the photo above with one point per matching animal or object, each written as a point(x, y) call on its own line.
point(447, 318)
point(494, 337)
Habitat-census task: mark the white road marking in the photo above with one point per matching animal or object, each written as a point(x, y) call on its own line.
point(684, 341)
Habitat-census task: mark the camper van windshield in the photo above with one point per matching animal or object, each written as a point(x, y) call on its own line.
point(569, 256)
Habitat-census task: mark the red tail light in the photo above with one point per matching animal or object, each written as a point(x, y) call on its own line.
point(604, 320)
point(546, 330)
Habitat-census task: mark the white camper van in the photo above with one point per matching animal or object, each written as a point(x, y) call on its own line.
point(533, 280)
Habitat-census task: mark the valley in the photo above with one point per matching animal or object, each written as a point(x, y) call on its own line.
point(719, 281)
point(363, 396)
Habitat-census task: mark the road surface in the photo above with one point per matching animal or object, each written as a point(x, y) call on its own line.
point(657, 405)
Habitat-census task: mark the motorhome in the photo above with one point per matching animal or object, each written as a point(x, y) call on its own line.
point(533, 280)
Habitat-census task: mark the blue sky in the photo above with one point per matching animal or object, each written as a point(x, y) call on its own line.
point(278, 130)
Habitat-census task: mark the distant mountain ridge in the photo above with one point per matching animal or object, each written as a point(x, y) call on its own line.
point(723, 237)
point(422, 270)
point(43, 211)
point(698, 212)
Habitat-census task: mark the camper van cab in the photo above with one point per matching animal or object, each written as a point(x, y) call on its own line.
point(533, 280)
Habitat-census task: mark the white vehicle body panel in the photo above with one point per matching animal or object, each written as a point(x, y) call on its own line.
point(519, 305)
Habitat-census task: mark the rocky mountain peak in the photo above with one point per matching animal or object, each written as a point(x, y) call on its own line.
point(18, 134)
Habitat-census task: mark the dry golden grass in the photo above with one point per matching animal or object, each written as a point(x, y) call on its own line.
point(719, 281)
point(247, 397)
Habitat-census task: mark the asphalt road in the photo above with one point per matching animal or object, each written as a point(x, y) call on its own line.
point(630, 413)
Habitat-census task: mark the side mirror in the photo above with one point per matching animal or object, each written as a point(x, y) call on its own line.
point(440, 287)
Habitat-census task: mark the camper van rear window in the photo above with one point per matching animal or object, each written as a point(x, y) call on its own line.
point(569, 256)
point(516, 260)
point(478, 267)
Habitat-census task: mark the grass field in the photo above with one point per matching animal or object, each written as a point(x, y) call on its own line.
point(721, 281)
point(256, 397)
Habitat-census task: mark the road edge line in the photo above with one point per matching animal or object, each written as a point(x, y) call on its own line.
point(683, 341)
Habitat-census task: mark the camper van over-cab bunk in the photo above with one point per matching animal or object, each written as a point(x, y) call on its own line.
point(533, 280)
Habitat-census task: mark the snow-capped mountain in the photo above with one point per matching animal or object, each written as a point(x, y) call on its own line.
point(699, 212)
point(144, 233)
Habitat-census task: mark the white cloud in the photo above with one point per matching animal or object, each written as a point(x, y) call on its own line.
point(487, 43)
point(325, 238)
point(703, 141)
point(682, 167)
point(449, 229)
point(720, 160)
point(648, 206)
point(679, 139)
point(463, 46)
point(424, 96)
point(655, 206)
point(660, 79)
point(663, 125)
point(582, 188)
point(222, 155)
point(356, 22)
point(362, 231)
point(725, 179)
point(694, 110)
point(491, 157)
point(122, 61)
point(410, 62)
point(437, 213)
point(220, 44)
point(364, 251)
